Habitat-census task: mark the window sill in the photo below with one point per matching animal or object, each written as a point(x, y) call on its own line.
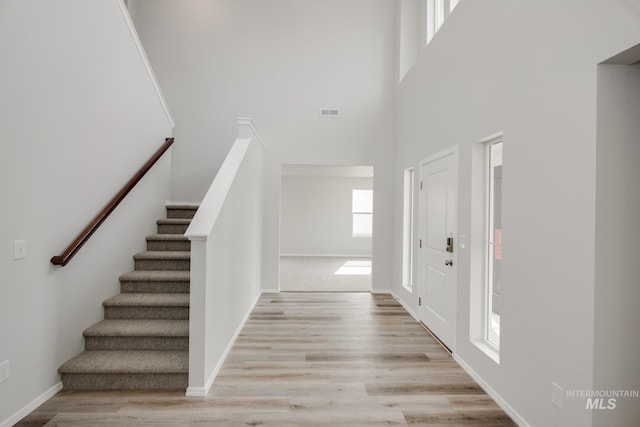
point(491, 351)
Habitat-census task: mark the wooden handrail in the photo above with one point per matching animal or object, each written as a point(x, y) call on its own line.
point(82, 238)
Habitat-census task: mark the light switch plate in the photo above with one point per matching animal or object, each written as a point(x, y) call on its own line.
point(19, 249)
point(463, 243)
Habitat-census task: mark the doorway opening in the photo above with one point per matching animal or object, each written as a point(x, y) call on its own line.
point(616, 314)
point(326, 228)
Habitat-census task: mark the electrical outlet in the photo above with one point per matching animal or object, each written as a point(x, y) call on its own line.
point(557, 395)
point(4, 371)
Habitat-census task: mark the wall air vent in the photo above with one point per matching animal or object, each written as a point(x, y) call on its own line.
point(329, 112)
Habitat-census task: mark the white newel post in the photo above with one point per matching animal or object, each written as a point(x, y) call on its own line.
point(197, 317)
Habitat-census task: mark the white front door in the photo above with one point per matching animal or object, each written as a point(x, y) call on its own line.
point(438, 234)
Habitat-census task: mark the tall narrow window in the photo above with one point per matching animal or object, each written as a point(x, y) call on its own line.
point(494, 243)
point(407, 230)
point(431, 22)
point(435, 17)
point(439, 13)
point(362, 209)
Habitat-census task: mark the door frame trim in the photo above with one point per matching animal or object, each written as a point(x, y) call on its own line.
point(455, 151)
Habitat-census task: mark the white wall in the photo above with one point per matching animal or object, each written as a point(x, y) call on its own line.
point(529, 69)
point(316, 216)
point(412, 33)
point(278, 62)
point(409, 35)
point(616, 340)
point(79, 115)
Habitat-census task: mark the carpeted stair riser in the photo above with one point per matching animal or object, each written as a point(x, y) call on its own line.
point(120, 312)
point(136, 343)
point(165, 282)
point(181, 212)
point(162, 264)
point(145, 306)
point(129, 334)
point(168, 245)
point(126, 381)
point(172, 226)
point(154, 287)
point(162, 261)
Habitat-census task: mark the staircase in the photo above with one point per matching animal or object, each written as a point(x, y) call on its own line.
point(143, 341)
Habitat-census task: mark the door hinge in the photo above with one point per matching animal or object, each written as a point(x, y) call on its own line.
point(419, 301)
point(420, 243)
point(420, 185)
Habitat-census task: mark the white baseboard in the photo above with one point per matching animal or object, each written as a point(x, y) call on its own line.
point(30, 407)
point(270, 291)
point(397, 298)
point(491, 392)
point(406, 307)
point(327, 255)
point(203, 391)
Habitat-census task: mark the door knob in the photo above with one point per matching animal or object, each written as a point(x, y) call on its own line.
point(448, 262)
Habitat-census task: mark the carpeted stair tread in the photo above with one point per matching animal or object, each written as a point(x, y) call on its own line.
point(156, 276)
point(148, 300)
point(139, 328)
point(128, 362)
point(173, 237)
point(179, 221)
point(163, 255)
point(183, 205)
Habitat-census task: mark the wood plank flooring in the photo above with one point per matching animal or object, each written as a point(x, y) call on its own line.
point(307, 359)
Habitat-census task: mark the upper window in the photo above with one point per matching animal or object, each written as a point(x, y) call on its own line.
point(437, 12)
point(435, 17)
point(362, 209)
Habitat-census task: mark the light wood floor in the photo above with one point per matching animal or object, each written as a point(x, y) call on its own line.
point(307, 360)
